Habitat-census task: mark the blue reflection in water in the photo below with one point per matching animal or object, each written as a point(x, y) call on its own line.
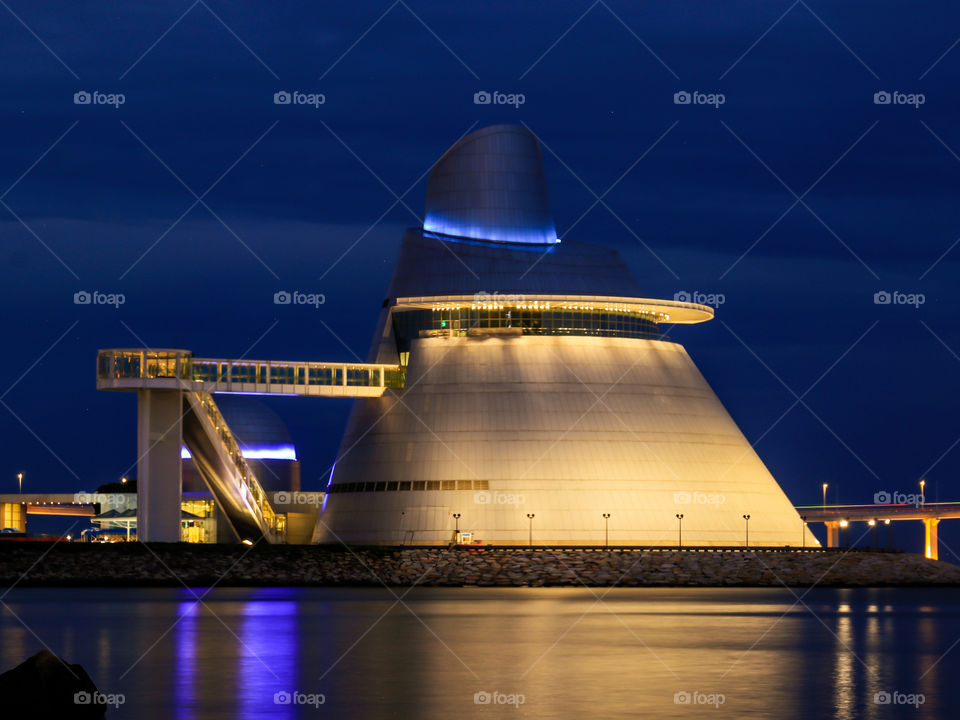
point(185, 669)
point(267, 653)
point(265, 648)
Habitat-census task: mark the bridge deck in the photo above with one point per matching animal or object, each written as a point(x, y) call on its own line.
point(861, 513)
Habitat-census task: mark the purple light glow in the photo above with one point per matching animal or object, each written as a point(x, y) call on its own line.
point(263, 452)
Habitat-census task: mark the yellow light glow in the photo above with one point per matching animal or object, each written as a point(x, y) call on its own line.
point(843, 523)
point(871, 523)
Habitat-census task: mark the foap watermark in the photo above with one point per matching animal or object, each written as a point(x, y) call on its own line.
point(898, 498)
point(882, 97)
point(297, 498)
point(489, 497)
point(107, 501)
point(95, 97)
point(699, 498)
point(482, 697)
point(698, 98)
point(482, 97)
point(499, 298)
point(695, 697)
point(899, 698)
point(895, 297)
point(295, 697)
point(114, 700)
point(95, 297)
point(283, 97)
point(295, 297)
point(711, 299)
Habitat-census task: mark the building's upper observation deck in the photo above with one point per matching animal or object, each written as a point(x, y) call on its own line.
point(671, 312)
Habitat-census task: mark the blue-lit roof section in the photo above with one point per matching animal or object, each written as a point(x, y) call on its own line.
point(490, 186)
point(260, 432)
point(266, 452)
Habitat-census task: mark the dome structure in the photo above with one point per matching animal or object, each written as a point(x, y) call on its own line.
point(490, 187)
point(261, 433)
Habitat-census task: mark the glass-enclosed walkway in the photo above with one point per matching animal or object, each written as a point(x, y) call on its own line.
point(125, 369)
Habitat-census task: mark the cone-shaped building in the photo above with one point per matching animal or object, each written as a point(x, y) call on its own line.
point(541, 399)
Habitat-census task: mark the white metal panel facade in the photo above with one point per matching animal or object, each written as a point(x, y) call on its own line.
point(564, 428)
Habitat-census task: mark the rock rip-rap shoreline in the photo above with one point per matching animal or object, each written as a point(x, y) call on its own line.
point(136, 564)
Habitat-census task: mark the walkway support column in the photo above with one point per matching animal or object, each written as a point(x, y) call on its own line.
point(930, 538)
point(833, 533)
point(159, 480)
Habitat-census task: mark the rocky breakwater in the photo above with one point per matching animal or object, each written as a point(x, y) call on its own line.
point(136, 564)
point(672, 568)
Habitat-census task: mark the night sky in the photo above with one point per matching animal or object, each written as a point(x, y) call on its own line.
point(798, 199)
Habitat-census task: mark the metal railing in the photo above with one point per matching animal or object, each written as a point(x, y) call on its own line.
point(276, 523)
point(651, 548)
point(268, 375)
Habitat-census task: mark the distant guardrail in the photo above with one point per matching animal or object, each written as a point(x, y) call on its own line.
point(639, 548)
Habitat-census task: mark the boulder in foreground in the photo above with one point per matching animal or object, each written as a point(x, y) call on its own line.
point(46, 686)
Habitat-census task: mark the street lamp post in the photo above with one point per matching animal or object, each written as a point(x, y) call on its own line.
point(679, 530)
point(825, 486)
point(530, 517)
point(20, 482)
point(747, 519)
point(606, 529)
point(922, 498)
point(456, 516)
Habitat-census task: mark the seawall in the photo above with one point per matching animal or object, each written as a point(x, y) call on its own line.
point(136, 564)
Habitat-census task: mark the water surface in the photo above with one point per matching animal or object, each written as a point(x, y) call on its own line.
point(530, 652)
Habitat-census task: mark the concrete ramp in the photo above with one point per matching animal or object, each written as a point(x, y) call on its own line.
point(233, 485)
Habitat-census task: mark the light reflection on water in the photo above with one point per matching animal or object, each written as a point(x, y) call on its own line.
point(635, 653)
point(268, 665)
point(844, 686)
point(184, 684)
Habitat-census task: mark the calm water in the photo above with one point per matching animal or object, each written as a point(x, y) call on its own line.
point(752, 653)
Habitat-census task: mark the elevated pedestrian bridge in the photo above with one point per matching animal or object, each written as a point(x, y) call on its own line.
point(175, 407)
point(179, 370)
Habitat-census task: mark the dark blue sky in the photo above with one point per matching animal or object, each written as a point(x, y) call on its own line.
point(294, 187)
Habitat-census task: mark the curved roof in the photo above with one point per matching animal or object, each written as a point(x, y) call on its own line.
point(257, 428)
point(490, 186)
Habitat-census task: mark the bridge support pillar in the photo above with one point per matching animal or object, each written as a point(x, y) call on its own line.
point(833, 533)
point(930, 538)
point(159, 479)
